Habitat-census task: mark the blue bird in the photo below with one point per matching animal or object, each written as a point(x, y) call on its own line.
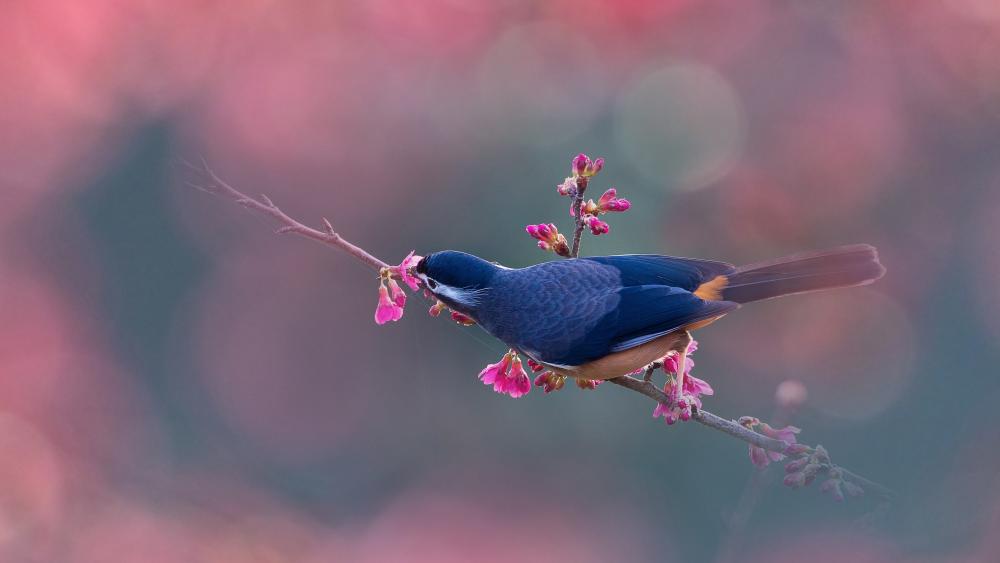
point(605, 316)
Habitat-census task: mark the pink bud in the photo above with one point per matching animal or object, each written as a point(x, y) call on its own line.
point(462, 319)
point(796, 449)
point(436, 309)
point(795, 480)
point(567, 188)
point(796, 465)
point(532, 230)
point(580, 164)
point(606, 197)
point(597, 166)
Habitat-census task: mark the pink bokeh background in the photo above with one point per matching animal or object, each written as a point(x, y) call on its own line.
point(179, 384)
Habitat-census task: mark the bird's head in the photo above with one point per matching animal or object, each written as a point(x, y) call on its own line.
point(460, 280)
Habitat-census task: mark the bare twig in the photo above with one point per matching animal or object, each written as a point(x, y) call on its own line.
point(581, 186)
point(211, 183)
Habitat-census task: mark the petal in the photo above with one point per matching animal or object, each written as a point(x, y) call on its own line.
point(758, 456)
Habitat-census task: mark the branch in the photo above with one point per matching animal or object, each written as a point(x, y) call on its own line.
point(212, 184)
point(581, 186)
point(740, 432)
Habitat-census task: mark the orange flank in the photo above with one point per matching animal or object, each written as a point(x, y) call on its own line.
point(712, 289)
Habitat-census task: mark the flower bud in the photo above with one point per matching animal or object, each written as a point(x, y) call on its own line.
point(795, 480)
point(436, 309)
point(461, 319)
point(580, 164)
point(796, 465)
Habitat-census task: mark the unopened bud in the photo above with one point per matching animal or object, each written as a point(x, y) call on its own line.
point(796, 465)
point(795, 480)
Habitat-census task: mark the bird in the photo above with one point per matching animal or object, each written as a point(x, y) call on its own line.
point(602, 317)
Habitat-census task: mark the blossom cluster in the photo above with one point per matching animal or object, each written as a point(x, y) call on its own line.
point(391, 298)
point(681, 402)
point(590, 211)
point(507, 376)
point(582, 170)
point(762, 457)
point(549, 238)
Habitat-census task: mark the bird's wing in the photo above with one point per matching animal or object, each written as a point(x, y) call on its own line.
point(646, 312)
point(653, 269)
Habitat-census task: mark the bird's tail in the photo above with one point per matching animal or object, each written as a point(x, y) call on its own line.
point(843, 266)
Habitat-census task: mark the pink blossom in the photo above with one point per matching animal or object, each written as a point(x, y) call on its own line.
point(587, 384)
point(516, 383)
point(549, 238)
point(550, 381)
point(462, 319)
point(388, 309)
point(436, 309)
point(494, 372)
point(405, 270)
point(507, 376)
point(398, 297)
point(681, 402)
point(568, 187)
point(597, 227)
point(760, 456)
point(609, 201)
point(535, 366)
point(584, 167)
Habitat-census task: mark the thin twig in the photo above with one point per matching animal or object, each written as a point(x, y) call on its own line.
point(581, 186)
point(211, 183)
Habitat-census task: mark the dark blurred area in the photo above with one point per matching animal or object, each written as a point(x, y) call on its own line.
point(178, 384)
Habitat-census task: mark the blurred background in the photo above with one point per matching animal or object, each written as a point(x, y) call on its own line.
point(177, 383)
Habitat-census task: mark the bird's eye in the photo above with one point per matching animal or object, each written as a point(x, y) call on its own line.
point(422, 266)
point(431, 283)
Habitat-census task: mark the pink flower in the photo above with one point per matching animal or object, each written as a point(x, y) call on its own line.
point(609, 202)
point(549, 238)
point(597, 227)
point(462, 319)
point(550, 381)
point(535, 366)
point(568, 187)
point(388, 309)
point(517, 383)
point(583, 166)
point(398, 297)
point(590, 211)
point(681, 402)
point(761, 457)
point(494, 372)
point(507, 376)
point(588, 384)
point(436, 309)
point(405, 270)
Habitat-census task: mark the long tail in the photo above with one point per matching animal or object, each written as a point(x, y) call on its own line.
point(844, 266)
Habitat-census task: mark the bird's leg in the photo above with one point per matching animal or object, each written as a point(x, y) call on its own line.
point(683, 342)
